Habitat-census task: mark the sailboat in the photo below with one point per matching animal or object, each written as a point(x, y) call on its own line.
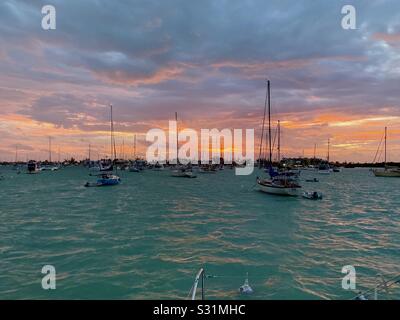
point(324, 168)
point(49, 166)
point(181, 171)
point(279, 183)
point(17, 167)
point(133, 167)
point(387, 171)
point(108, 178)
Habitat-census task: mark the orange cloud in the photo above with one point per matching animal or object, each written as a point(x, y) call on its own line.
point(353, 138)
point(256, 66)
point(127, 78)
point(392, 39)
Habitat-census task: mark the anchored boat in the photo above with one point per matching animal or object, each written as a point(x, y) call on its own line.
point(181, 171)
point(208, 169)
point(283, 186)
point(280, 183)
point(107, 178)
point(312, 195)
point(32, 167)
point(324, 168)
point(387, 171)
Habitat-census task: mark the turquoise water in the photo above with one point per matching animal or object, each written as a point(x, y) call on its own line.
point(147, 238)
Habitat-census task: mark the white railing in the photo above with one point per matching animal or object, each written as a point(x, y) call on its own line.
point(200, 276)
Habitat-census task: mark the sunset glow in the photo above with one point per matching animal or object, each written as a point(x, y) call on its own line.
point(326, 82)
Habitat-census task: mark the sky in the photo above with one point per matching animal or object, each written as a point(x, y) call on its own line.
point(208, 61)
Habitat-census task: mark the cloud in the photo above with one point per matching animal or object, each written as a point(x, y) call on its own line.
point(21, 147)
point(208, 60)
point(392, 39)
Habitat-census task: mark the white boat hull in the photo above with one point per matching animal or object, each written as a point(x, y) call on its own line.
point(387, 173)
point(279, 190)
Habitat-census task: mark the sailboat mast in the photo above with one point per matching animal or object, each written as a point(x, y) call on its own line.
point(315, 150)
point(279, 141)
point(329, 144)
point(113, 147)
point(111, 131)
point(177, 148)
point(385, 144)
point(262, 130)
point(123, 148)
point(16, 154)
point(49, 149)
point(269, 122)
point(134, 147)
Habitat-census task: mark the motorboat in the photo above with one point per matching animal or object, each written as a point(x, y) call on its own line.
point(32, 167)
point(312, 195)
point(183, 173)
point(105, 179)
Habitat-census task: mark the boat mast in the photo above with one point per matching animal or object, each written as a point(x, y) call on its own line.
point(329, 143)
point(134, 147)
point(269, 122)
point(50, 149)
point(279, 141)
point(111, 134)
point(262, 130)
point(113, 148)
point(385, 144)
point(123, 148)
point(16, 153)
point(315, 149)
point(177, 148)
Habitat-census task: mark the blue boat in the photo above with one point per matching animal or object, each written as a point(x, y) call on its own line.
point(105, 180)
